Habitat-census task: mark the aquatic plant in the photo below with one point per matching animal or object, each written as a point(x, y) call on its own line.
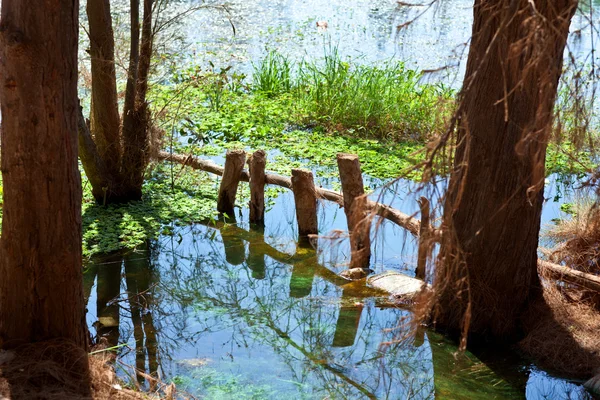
point(191, 198)
point(272, 76)
point(385, 101)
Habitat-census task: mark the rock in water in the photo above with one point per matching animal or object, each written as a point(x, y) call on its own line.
point(355, 274)
point(401, 287)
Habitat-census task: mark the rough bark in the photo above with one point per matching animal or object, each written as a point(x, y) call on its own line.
point(256, 167)
point(359, 223)
point(104, 118)
point(132, 71)
point(137, 122)
point(492, 213)
point(303, 186)
point(41, 293)
point(425, 242)
point(234, 164)
point(92, 163)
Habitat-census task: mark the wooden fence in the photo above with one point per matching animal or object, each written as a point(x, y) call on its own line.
point(356, 207)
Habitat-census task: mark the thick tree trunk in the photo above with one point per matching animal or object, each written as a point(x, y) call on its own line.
point(104, 118)
point(41, 294)
point(488, 268)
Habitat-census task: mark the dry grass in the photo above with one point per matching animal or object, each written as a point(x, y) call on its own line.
point(60, 370)
point(563, 331)
point(577, 238)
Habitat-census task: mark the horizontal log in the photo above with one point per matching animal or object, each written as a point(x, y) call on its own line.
point(570, 275)
point(408, 222)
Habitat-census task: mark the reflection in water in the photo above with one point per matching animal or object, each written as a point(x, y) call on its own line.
point(233, 246)
point(140, 280)
point(135, 303)
point(273, 325)
point(348, 321)
point(108, 288)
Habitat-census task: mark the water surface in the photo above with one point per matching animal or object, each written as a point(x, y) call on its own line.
point(229, 311)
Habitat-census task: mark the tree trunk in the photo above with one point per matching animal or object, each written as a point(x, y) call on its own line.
point(92, 163)
point(132, 71)
point(488, 267)
point(116, 159)
point(41, 293)
point(104, 118)
point(137, 122)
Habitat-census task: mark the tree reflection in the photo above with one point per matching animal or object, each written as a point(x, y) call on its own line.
point(274, 315)
point(134, 304)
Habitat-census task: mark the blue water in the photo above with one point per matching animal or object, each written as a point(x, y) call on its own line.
point(232, 312)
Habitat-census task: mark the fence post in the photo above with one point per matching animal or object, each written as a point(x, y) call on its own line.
point(359, 225)
point(424, 243)
point(256, 166)
point(305, 196)
point(234, 164)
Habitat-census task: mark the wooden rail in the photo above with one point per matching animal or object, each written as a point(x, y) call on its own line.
point(306, 216)
point(406, 221)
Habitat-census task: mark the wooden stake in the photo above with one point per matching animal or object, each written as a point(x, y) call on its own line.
point(424, 242)
point(359, 225)
point(234, 164)
point(305, 197)
point(256, 166)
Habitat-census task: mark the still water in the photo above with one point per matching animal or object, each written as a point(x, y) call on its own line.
point(229, 311)
point(430, 35)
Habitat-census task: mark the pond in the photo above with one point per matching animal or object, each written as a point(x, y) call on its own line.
point(368, 31)
point(229, 311)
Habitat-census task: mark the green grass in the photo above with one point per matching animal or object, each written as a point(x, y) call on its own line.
point(386, 101)
point(307, 112)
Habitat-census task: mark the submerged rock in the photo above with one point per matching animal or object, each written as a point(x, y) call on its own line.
point(355, 274)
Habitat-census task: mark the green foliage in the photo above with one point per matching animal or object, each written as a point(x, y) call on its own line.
point(563, 159)
point(115, 227)
point(316, 148)
point(569, 209)
point(385, 101)
point(307, 112)
point(273, 76)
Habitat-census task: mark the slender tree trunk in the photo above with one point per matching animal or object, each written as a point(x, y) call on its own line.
point(92, 163)
point(132, 74)
point(137, 123)
point(104, 118)
point(491, 223)
point(41, 294)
